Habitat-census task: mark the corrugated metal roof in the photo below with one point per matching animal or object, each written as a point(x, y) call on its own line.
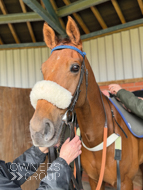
point(129, 9)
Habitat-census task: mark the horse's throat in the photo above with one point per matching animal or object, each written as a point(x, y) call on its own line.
point(91, 116)
point(91, 122)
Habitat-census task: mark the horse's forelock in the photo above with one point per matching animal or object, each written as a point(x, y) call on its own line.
point(63, 40)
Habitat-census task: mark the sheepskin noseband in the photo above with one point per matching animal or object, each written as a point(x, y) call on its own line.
point(52, 92)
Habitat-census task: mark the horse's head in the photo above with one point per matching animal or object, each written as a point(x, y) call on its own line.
point(61, 76)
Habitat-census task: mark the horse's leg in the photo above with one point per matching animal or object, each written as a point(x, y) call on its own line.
point(127, 184)
point(141, 168)
point(93, 184)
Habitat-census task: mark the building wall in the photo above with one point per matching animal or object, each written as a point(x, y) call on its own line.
point(113, 57)
point(130, 86)
point(21, 67)
point(117, 56)
point(15, 114)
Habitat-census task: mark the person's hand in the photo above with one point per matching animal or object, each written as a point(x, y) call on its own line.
point(114, 88)
point(106, 93)
point(44, 149)
point(70, 149)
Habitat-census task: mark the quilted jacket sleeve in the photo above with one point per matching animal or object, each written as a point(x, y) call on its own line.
point(58, 176)
point(131, 102)
point(26, 165)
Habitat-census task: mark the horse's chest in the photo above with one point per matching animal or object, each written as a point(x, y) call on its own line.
point(91, 163)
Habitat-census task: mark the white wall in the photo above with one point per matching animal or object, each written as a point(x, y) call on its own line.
point(22, 67)
point(117, 56)
point(113, 57)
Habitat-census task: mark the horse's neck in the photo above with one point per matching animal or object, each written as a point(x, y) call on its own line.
point(91, 115)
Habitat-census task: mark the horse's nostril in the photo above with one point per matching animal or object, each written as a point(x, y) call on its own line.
point(47, 128)
point(48, 131)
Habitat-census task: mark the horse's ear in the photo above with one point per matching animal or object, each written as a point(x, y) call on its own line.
point(73, 31)
point(49, 36)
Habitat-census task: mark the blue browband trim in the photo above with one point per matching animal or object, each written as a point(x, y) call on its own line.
point(69, 47)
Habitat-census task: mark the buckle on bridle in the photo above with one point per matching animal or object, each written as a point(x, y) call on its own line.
point(66, 117)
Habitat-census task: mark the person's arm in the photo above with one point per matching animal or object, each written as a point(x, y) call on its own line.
point(6, 184)
point(58, 176)
point(128, 99)
point(59, 173)
point(26, 164)
point(131, 102)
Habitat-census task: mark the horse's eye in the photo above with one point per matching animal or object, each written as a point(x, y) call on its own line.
point(74, 68)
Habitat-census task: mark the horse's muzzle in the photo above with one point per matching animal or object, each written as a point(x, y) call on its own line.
point(47, 133)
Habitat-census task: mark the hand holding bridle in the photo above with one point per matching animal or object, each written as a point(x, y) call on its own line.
point(70, 149)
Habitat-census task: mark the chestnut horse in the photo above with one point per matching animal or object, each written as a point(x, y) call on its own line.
point(63, 68)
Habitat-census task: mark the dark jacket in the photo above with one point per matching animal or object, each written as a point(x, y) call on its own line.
point(131, 102)
point(58, 174)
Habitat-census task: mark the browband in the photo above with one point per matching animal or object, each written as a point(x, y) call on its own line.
point(69, 47)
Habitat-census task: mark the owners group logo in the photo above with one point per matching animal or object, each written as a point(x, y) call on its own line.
point(24, 171)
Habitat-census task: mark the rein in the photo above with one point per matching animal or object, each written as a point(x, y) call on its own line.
point(104, 147)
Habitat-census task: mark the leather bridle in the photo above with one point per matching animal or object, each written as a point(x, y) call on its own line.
point(83, 70)
point(70, 111)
